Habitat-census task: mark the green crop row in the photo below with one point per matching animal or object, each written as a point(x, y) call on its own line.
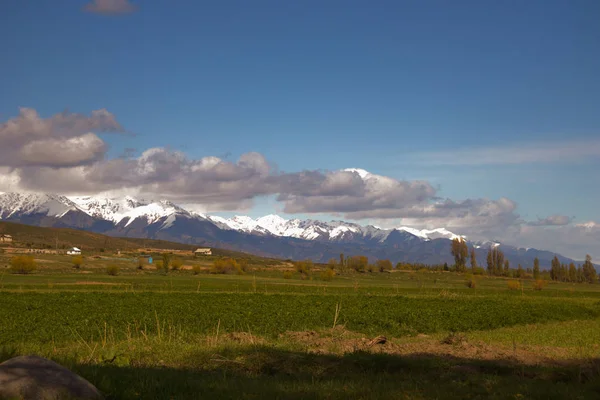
point(59, 317)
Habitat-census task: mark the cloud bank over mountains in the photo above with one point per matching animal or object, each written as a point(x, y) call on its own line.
point(64, 154)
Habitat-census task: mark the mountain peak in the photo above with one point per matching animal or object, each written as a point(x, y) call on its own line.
point(361, 172)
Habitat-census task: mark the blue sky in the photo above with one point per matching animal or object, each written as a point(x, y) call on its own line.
point(385, 86)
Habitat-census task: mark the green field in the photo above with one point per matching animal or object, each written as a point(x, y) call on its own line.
point(146, 334)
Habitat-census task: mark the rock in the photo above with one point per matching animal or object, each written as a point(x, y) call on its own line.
point(36, 378)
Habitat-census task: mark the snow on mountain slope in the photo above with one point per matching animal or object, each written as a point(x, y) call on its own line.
point(17, 204)
point(113, 210)
point(117, 210)
point(128, 209)
point(312, 229)
point(430, 234)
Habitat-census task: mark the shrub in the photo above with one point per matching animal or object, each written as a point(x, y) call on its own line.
point(332, 263)
point(176, 264)
point(141, 262)
point(384, 265)
point(327, 275)
point(287, 274)
point(159, 265)
point(112, 270)
point(166, 262)
point(358, 263)
point(514, 285)
point(22, 265)
point(197, 269)
point(77, 261)
point(539, 284)
point(225, 266)
point(303, 267)
point(471, 282)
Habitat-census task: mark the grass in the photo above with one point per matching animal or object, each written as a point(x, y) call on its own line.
point(266, 334)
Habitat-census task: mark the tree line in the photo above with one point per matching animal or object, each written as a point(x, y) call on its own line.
point(497, 265)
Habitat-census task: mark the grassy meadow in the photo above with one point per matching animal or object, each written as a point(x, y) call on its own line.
point(271, 332)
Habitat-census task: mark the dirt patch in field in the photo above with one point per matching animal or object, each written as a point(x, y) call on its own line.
point(340, 341)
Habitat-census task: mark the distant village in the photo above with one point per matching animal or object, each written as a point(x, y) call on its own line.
point(9, 246)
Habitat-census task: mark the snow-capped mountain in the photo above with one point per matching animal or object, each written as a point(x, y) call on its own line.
point(313, 230)
point(126, 209)
point(12, 204)
point(270, 235)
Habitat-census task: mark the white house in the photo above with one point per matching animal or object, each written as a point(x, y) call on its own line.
point(202, 252)
point(74, 251)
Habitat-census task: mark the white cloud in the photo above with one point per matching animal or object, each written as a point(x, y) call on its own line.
point(552, 220)
point(573, 240)
point(65, 139)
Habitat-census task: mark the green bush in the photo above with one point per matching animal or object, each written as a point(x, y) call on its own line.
point(113, 270)
point(22, 265)
point(288, 274)
point(196, 269)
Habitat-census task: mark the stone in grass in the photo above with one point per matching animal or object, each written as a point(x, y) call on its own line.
point(36, 378)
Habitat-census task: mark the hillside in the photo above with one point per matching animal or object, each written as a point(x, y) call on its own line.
point(62, 238)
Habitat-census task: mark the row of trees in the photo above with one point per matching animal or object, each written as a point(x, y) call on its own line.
point(359, 264)
point(497, 265)
point(571, 273)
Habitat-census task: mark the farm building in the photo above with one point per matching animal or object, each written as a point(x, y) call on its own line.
point(4, 238)
point(202, 252)
point(74, 251)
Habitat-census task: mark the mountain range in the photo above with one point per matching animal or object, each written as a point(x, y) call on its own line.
point(271, 235)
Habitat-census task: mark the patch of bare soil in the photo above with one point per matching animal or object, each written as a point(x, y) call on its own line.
point(340, 341)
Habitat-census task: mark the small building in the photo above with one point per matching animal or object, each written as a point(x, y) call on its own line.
point(146, 257)
point(74, 251)
point(202, 252)
point(4, 238)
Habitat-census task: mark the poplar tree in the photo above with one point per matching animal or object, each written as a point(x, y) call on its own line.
point(536, 268)
point(555, 269)
point(490, 262)
point(460, 251)
point(572, 273)
point(589, 272)
point(473, 261)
